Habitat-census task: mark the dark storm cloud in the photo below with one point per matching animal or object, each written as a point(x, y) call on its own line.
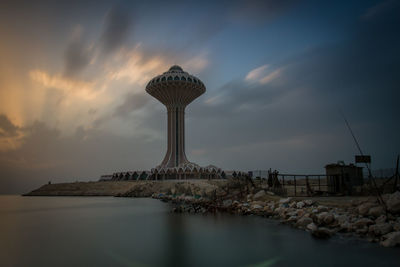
point(358, 76)
point(132, 102)
point(7, 128)
point(379, 8)
point(360, 73)
point(356, 71)
point(47, 155)
point(259, 10)
point(116, 28)
point(77, 56)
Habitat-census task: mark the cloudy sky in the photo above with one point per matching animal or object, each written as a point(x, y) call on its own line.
point(278, 75)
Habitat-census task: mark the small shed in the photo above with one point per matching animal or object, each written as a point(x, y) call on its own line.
point(343, 178)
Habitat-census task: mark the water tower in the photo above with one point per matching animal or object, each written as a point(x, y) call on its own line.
point(175, 89)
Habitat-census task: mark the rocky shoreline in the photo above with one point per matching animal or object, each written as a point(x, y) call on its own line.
point(364, 218)
point(321, 216)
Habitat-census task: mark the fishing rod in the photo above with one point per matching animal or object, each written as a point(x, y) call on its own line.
point(366, 164)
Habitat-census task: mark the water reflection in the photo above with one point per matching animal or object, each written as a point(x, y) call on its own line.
point(39, 231)
point(175, 243)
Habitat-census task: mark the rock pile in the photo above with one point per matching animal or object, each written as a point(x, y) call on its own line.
point(366, 219)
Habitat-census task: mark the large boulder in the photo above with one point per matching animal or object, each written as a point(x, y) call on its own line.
point(321, 216)
point(259, 195)
point(292, 219)
point(363, 222)
point(325, 218)
point(343, 218)
point(301, 212)
point(303, 222)
point(380, 229)
point(391, 239)
point(322, 208)
point(362, 231)
point(291, 212)
point(312, 227)
point(393, 203)
point(376, 211)
point(256, 207)
point(309, 202)
point(209, 192)
point(278, 210)
point(322, 233)
point(381, 219)
point(346, 226)
point(363, 209)
point(329, 218)
point(268, 210)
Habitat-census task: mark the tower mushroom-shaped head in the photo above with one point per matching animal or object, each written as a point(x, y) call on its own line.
point(175, 87)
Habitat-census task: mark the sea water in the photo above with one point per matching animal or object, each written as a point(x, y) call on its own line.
point(108, 231)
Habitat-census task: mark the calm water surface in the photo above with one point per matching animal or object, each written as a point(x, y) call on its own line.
point(106, 231)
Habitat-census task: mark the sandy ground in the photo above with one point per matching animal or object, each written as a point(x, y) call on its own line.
point(83, 189)
point(118, 188)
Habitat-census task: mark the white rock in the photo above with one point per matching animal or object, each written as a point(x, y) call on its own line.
point(256, 207)
point(314, 211)
point(260, 194)
point(312, 227)
point(292, 213)
point(300, 204)
point(285, 200)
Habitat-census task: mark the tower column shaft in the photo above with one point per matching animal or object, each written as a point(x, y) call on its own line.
point(176, 137)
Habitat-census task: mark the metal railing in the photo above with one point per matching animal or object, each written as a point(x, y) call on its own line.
point(305, 184)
